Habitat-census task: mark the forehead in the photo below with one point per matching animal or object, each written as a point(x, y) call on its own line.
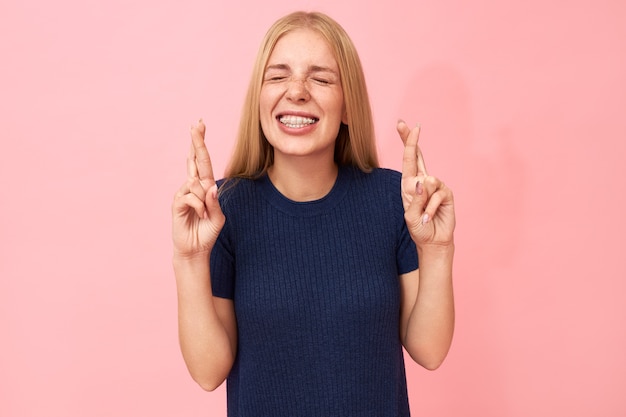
point(302, 47)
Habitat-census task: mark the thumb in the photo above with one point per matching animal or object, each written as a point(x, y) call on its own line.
point(415, 211)
point(212, 204)
point(403, 130)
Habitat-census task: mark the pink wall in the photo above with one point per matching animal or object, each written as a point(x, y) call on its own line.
point(523, 114)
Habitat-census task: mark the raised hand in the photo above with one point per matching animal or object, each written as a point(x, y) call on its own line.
point(428, 202)
point(197, 218)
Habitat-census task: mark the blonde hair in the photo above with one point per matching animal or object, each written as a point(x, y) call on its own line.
point(355, 144)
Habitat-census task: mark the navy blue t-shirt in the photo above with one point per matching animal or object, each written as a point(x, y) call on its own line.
point(316, 294)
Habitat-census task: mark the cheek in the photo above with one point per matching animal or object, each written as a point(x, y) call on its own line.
point(339, 107)
point(265, 108)
point(263, 102)
point(266, 125)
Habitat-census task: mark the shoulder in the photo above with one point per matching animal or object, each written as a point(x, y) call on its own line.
point(233, 191)
point(233, 186)
point(387, 175)
point(376, 174)
point(382, 180)
point(379, 189)
point(377, 196)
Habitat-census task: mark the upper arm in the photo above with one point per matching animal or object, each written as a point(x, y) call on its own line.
point(409, 286)
point(225, 309)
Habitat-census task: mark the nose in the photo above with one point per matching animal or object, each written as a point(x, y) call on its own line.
point(297, 91)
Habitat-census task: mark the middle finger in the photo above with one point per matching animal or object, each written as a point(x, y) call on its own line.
point(192, 169)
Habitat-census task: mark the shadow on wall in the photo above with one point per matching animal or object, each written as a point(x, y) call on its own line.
point(488, 179)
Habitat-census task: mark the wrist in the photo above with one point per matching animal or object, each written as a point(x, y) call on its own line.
point(190, 258)
point(438, 250)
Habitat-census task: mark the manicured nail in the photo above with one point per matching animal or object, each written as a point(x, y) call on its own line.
point(425, 218)
point(419, 188)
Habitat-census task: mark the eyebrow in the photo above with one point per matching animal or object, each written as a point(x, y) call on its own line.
point(311, 69)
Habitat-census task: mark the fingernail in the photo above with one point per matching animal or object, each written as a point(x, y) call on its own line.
point(425, 218)
point(419, 188)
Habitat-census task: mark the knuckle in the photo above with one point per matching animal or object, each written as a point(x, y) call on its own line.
point(430, 180)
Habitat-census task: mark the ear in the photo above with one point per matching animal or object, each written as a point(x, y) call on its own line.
point(344, 117)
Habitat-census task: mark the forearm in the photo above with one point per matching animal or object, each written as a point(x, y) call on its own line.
point(430, 325)
point(205, 338)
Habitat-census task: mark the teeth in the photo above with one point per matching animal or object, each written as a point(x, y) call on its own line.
point(296, 121)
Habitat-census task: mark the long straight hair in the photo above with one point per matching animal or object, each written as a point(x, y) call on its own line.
point(355, 144)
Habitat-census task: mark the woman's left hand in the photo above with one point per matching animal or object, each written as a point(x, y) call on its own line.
point(428, 202)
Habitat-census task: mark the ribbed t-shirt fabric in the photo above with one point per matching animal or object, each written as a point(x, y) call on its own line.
point(316, 295)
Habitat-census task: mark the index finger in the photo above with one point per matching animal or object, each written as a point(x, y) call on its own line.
point(203, 159)
point(410, 159)
point(192, 169)
point(421, 165)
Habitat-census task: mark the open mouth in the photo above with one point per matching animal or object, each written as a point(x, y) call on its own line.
point(296, 122)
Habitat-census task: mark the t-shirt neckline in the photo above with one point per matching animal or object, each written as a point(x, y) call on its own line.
point(306, 208)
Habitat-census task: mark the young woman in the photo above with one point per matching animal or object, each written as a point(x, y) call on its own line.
point(298, 280)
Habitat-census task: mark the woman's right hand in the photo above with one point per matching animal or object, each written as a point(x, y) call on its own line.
point(197, 217)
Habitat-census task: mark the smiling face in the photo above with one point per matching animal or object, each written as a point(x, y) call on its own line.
point(301, 101)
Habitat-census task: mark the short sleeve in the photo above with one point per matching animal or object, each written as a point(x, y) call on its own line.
point(406, 256)
point(222, 261)
point(406, 253)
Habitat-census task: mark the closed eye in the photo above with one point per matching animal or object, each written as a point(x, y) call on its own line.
point(321, 81)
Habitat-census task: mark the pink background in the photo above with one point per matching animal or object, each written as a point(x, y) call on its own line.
point(523, 109)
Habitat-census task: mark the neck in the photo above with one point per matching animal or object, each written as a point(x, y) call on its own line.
point(303, 180)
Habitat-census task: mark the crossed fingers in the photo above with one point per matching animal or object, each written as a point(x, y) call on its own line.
point(199, 172)
point(412, 161)
point(199, 155)
point(429, 190)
